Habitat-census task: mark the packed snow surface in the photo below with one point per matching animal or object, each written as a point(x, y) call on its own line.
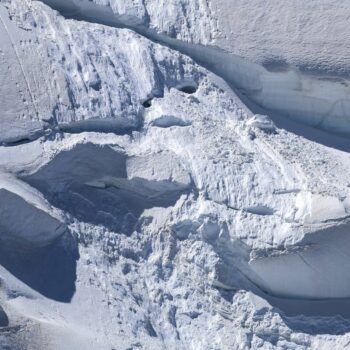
point(164, 179)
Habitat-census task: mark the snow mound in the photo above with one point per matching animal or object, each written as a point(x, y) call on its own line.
point(262, 122)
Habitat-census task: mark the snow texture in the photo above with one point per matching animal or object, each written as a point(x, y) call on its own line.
point(172, 175)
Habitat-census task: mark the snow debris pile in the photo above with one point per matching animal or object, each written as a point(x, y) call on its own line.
point(149, 198)
point(262, 122)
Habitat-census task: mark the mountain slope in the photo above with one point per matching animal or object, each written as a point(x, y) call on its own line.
point(172, 217)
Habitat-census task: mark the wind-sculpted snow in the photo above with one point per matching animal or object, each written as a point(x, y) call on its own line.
point(319, 268)
point(145, 206)
point(20, 107)
point(319, 101)
point(95, 185)
point(281, 35)
point(78, 82)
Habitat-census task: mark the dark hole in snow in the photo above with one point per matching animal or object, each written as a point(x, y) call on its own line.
point(193, 314)
point(126, 268)
point(147, 103)
point(260, 210)
point(187, 89)
point(17, 142)
point(276, 65)
point(118, 125)
point(130, 254)
point(96, 85)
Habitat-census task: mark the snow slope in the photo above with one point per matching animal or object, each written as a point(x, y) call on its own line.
point(144, 205)
point(318, 99)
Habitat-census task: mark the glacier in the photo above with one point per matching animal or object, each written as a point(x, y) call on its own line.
point(174, 175)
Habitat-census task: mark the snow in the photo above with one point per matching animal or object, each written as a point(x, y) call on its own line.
point(149, 197)
point(318, 269)
point(317, 208)
point(319, 101)
point(29, 226)
point(310, 36)
point(158, 167)
point(262, 122)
